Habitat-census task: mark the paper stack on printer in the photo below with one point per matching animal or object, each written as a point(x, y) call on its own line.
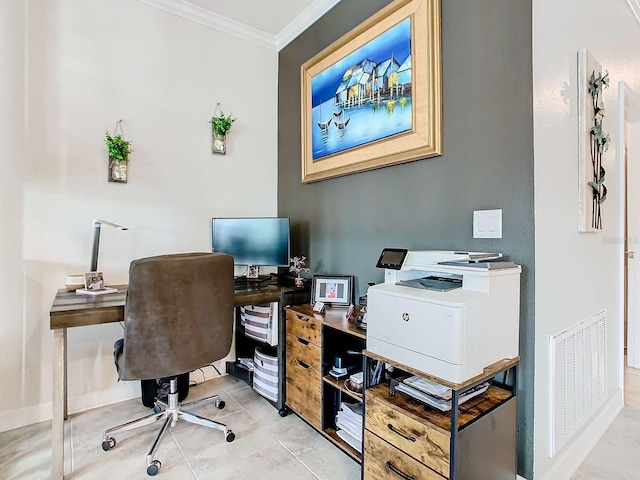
point(349, 424)
point(434, 394)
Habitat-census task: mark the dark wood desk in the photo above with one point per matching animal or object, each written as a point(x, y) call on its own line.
point(71, 310)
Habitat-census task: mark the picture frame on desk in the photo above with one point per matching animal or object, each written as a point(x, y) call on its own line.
point(334, 290)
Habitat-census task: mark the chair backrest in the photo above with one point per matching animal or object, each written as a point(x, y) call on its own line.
point(178, 314)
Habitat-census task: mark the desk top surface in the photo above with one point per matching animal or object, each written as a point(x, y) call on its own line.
point(72, 310)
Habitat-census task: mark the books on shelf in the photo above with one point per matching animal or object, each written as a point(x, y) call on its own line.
point(436, 395)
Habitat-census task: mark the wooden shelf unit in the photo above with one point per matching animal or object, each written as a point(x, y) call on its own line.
point(403, 436)
point(313, 340)
point(278, 289)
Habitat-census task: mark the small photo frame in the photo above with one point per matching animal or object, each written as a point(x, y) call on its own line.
point(93, 281)
point(332, 290)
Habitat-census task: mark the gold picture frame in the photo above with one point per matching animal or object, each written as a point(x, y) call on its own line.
point(422, 137)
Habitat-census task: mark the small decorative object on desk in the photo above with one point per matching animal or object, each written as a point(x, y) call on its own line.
point(94, 285)
point(220, 126)
point(119, 150)
point(298, 267)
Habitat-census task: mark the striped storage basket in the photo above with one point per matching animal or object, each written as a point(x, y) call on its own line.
point(265, 375)
point(261, 322)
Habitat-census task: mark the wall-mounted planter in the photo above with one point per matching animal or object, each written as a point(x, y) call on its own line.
point(220, 126)
point(218, 143)
point(118, 170)
point(119, 151)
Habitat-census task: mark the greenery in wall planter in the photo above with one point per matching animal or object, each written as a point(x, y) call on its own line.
point(220, 126)
point(119, 151)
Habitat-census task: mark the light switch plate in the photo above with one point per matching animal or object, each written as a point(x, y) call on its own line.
point(487, 224)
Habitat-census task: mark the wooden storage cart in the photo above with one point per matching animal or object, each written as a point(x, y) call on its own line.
point(405, 439)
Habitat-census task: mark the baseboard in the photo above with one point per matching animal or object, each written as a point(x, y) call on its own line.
point(87, 401)
point(568, 461)
point(25, 416)
point(42, 412)
point(118, 393)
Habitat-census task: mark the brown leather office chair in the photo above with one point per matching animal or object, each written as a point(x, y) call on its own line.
point(178, 317)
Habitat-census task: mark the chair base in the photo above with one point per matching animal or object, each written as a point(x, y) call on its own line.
point(171, 413)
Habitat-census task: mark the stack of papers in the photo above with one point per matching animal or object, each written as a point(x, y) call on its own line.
point(436, 395)
point(349, 424)
point(246, 363)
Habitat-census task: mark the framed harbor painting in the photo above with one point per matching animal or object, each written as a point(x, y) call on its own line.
point(373, 98)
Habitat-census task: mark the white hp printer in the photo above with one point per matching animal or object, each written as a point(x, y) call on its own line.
point(447, 314)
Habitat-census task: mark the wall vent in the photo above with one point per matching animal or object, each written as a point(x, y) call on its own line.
point(578, 377)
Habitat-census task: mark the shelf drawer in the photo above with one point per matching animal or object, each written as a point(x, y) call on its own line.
point(383, 461)
point(304, 391)
point(306, 352)
point(303, 326)
point(416, 437)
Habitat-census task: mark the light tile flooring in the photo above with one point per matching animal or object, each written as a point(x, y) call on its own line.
point(266, 445)
point(615, 456)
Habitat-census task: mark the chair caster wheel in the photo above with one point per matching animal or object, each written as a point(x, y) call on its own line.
point(156, 409)
point(108, 444)
point(283, 412)
point(152, 469)
point(229, 436)
point(220, 404)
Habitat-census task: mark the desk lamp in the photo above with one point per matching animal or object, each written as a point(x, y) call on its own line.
point(97, 225)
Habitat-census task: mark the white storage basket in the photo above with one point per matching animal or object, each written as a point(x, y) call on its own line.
point(265, 375)
point(261, 322)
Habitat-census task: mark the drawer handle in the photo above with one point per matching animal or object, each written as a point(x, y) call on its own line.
point(301, 318)
point(303, 365)
point(302, 341)
point(398, 472)
point(398, 432)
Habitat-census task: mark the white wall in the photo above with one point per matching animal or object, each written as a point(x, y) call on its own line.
point(88, 65)
point(577, 274)
point(12, 159)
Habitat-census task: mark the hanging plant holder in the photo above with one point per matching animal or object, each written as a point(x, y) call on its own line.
point(220, 126)
point(218, 143)
point(118, 170)
point(119, 150)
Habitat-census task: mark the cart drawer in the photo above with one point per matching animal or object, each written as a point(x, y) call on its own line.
point(416, 437)
point(304, 390)
point(303, 326)
point(306, 352)
point(383, 461)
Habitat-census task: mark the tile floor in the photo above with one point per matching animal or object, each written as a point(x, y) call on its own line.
point(615, 456)
point(266, 445)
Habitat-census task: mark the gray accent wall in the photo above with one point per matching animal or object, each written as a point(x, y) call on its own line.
point(342, 224)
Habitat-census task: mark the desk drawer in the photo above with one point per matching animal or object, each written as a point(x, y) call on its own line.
point(416, 437)
point(306, 352)
point(304, 390)
point(383, 461)
point(303, 326)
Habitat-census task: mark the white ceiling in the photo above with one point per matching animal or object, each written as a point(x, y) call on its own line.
point(270, 23)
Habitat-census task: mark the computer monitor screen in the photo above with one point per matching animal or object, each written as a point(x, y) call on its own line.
point(253, 241)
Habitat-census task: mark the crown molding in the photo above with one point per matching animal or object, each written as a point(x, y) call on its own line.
point(303, 21)
point(189, 11)
point(210, 19)
point(634, 5)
